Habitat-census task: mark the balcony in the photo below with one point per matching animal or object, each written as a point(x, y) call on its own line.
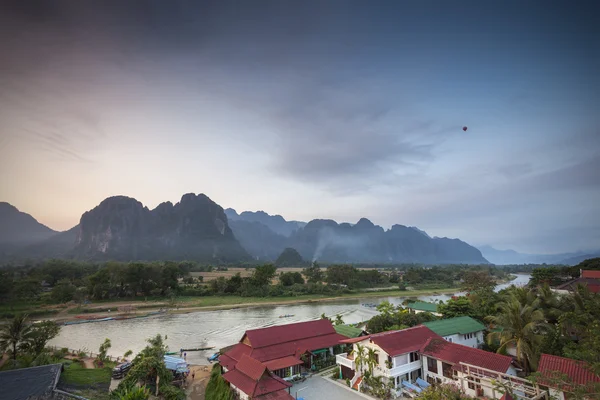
point(402, 369)
point(345, 360)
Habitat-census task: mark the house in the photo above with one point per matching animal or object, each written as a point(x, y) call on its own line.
point(462, 330)
point(397, 356)
point(349, 331)
point(587, 277)
point(574, 373)
point(252, 380)
point(285, 349)
point(472, 369)
point(36, 383)
point(421, 306)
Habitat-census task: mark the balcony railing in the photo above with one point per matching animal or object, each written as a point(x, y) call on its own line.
point(402, 369)
point(342, 359)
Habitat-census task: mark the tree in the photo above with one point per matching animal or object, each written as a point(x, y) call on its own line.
point(338, 320)
point(386, 308)
point(360, 357)
point(478, 280)
point(263, 275)
point(217, 388)
point(39, 336)
point(323, 316)
point(443, 392)
point(15, 334)
point(457, 307)
point(372, 359)
point(521, 327)
point(132, 392)
point(313, 273)
point(127, 354)
point(104, 349)
point(291, 278)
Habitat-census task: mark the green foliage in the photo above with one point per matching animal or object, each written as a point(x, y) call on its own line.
point(14, 335)
point(457, 307)
point(63, 291)
point(217, 388)
point(313, 274)
point(263, 275)
point(76, 374)
point(478, 280)
point(399, 319)
point(133, 393)
point(103, 349)
point(170, 392)
point(291, 278)
point(338, 320)
point(39, 336)
point(443, 392)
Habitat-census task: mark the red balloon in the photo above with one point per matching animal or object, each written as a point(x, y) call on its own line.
point(464, 128)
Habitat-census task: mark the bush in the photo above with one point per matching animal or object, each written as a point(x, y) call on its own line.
point(336, 373)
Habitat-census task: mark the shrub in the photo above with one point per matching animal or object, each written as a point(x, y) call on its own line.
point(336, 373)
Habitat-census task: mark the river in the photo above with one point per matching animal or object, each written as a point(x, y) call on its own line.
point(219, 328)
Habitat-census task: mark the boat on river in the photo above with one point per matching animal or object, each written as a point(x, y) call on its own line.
point(286, 316)
point(87, 321)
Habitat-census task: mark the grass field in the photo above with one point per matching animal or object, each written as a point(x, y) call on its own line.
point(75, 374)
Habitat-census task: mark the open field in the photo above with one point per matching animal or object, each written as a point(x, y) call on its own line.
point(246, 272)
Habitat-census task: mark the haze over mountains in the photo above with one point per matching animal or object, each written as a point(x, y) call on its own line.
point(503, 257)
point(196, 228)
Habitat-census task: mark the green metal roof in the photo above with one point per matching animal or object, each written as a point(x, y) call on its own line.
point(348, 331)
point(422, 306)
point(452, 326)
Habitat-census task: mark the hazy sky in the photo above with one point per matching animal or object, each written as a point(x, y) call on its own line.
point(311, 109)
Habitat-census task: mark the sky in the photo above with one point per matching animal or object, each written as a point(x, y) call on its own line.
point(311, 109)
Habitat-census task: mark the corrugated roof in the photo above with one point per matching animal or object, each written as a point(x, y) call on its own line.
point(454, 353)
point(452, 326)
point(284, 362)
point(254, 379)
point(28, 383)
point(586, 273)
point(287, 333)
point(250, 367)
point(404, 341)
point(593, 284)
point(348, 330)
point(279, 395)
point(423, 306)
point(577, 371)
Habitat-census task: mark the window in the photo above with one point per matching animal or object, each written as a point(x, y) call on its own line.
point(432, 365)
point(450, 339)
point(447, 370)
point(414, 357)
point(472, 384)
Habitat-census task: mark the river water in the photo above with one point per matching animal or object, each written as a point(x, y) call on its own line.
point(218, 328)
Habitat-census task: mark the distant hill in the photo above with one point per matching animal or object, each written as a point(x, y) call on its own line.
point(274, 222)
point(121, 228)
point(290, 258)
point(196, 228)
point(18, 230)
point(507, 257)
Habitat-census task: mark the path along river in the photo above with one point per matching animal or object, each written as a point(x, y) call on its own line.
point(218, 328)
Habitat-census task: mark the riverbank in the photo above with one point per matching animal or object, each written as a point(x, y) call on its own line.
point(141, 308)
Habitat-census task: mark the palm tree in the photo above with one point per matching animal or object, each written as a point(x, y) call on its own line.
point(360, 357)
point(15, 334)
point(372, 359)
point(522, 327)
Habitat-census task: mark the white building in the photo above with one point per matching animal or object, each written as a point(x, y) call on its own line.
point(444, 362)
point(461, 330)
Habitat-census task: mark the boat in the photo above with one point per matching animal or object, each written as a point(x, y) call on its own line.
point(85, 321)
point(197, 349)
point(214, 357)
point(286, 316)
point(170, 353)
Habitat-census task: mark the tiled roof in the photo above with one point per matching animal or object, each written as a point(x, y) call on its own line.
point(577, 371)
point(452, 326)
point(279, 395)
point(593, 284)
point(404, 341)
point(348, 330)
point(506, 396)
point(454, 353)
point(590, 274)
point(298, 346)
point(423, 306)
point(288, 333)
point(250, 367)
point(29, 383)
point(227, 362)
point(284, 362)
point(254, 379)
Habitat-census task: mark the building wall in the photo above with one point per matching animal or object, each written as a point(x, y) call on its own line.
point(471, 340)
point(239, 394)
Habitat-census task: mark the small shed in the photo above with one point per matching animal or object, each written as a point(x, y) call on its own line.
point(176, 364)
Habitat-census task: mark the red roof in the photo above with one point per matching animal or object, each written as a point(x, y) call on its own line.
point(288, 333)
point(227, 362)
point(454, 353)
point(279, 395)
point(284, 362)
point(506, 396)
point(592, 284)
point(253, 378)
point(403, 341)
point(590, 274)
point(577, 371)
point(292, 341)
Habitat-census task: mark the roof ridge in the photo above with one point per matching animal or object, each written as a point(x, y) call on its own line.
point(399, 330)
